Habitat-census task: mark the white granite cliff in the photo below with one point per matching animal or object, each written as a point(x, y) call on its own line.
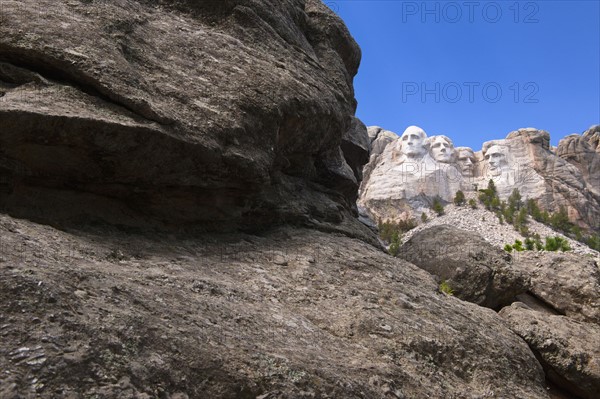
point(405, 173)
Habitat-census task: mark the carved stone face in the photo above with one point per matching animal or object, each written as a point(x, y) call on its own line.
point(412, 142)
point(442, 150)
point(496, 158)
point(466, 162)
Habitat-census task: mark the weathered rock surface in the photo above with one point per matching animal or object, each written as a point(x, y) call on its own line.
point(218, 113)
point(379, 138)
point(569, 350)
point(355, 147)
point(291, 314)
point(569, 283)
point(476, 271)
point(583, 152)
point(592, 135)
point(413, 169)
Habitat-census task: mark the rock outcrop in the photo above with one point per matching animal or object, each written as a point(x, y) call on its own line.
point(237, 115)
point(569, 350)
point(568, 283)
point(221, 114)
point(553, 297)
point(290, 314)
point(475, 270)
point(414, 169)
point(592, 135)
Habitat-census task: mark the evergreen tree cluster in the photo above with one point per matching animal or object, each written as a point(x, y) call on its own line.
point(512, 212)
point(391, 233)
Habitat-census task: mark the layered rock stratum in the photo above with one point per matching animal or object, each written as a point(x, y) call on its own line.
point(407, 172)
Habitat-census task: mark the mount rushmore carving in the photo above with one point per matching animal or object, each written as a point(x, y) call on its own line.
point(405, 173)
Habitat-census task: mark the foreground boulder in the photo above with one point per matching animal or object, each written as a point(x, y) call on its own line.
point(569, 350)
point(475, 270)
point(291, 314)
point(568, 283)
point(222, 114)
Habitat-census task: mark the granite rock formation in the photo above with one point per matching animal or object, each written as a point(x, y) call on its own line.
point(207, 115)
point(554, 298)
point(568, 283)
point(222, 114)
point(413, 169)
point(295, 313)
point(475, 270)
point(569, 350)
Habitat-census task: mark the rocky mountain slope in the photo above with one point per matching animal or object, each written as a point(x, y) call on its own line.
point(177, 220)
point(406, 172)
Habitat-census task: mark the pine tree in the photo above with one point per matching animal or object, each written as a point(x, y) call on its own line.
point(437, 207)
point(534, 210)
point(459, 198)
point(514, 201)
point(492, 188)
point(560, 220)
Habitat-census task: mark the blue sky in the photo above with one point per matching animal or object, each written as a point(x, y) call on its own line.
point(477, 70)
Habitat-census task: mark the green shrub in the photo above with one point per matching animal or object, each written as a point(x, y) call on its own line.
point(514, 201)
point(508, 248)
point(394, 248)
point(529, 244)
point(446, 288)
point(391, 233)
point(593, 242)
point(495, 204)
point(473, 203)
point(518, 246)
point(560, 220)
point(534, 210)
point(388, 229)
point(423, 217)
point(521, 219)
point(489, 196)
point(557, 243)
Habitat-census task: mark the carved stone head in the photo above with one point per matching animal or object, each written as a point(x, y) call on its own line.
point(465, 158)
point(496, 157)
point(441, 148)
point(412, 142)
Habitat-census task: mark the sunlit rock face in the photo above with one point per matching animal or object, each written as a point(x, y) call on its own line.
point(413, 169)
